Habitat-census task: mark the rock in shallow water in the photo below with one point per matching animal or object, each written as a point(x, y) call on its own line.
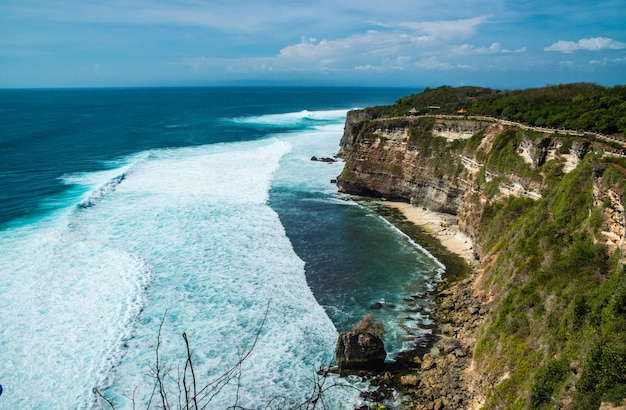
point(360, 351)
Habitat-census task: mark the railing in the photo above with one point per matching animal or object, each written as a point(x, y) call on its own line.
point(576, 133)
point(532, 128)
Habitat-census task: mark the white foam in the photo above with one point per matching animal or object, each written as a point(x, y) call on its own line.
point(186, 231)
point(69, 304)
point(220, 254)
point(234, 176)
point(293, 118)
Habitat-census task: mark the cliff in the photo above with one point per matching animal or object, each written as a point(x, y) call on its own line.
point(545, 211)
point(383, 159)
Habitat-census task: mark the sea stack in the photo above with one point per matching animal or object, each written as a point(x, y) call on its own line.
point(360, 351)
point(362, 347)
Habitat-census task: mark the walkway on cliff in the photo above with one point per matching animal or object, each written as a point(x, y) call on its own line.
point(576, 133)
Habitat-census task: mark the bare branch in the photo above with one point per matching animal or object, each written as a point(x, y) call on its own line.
point(185, 388)
point(185, 379)
point(213, 388)
point(158, 370)
point(193, 375)
point(132, 398)
point(96, 391)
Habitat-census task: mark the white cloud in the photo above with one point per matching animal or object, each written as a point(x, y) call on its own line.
point(519, 50)
point(589, 44)
point(368, 67)
point(375, 68)
point(389, 49)
point(360, 46)
point(494, 48)
point(445, 29)
point(433, 63)
point(397, 64)
point(463, 49)
point(608, 61)
point(467, 49)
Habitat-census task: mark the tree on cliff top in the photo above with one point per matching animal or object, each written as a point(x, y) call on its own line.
point(582, 106)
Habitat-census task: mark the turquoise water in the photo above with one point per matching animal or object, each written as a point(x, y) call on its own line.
point(198, 207)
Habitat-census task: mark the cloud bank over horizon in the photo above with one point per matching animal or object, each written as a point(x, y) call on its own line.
point(501, 44)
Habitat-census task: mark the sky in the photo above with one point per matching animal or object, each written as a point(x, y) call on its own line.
point(397, 43)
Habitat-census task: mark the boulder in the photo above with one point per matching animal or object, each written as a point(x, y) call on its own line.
point(428, 362)
point(409, 380)
point(360, 351)
point(323, 159)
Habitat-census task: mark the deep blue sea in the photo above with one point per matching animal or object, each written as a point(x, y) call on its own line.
point(196, 210)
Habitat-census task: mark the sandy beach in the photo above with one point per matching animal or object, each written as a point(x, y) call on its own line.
point(442, 226)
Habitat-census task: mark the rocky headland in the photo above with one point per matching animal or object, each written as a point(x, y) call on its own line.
point(538, 215)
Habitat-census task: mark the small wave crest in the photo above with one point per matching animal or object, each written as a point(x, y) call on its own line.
point(100, 184)
point(102, 191)
point(294, 119)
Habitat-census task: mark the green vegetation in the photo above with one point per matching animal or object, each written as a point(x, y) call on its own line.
point(547, 380)
point(347, 175)
point(582, 106)
point(448, 99)
point(421, 131)
point(471, 145)
point(504, 157)
point(566, 146)
point(561, 298)
point(556, 334)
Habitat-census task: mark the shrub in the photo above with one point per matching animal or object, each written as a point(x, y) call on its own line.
point(611, 177)
point(547, 380)
point(604, 375)
point(566, 146)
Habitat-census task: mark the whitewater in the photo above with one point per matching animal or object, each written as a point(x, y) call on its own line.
point(198, 239)
point(181, 235)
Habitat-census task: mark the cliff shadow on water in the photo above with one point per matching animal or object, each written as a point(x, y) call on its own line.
point(358, 265)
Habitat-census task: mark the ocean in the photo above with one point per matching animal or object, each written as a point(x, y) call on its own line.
point(130, 217)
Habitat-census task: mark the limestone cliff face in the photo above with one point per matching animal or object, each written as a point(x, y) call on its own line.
point(448, 165)
point(382, 161)
point(614, 223)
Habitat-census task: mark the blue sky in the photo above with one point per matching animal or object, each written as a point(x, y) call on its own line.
point(412, 43)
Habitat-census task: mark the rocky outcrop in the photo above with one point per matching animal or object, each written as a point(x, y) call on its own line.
point(360, 351)
point(382, 162)
point(446, 380)
point(456, 129)
point(613, 228)
point(362, 347)
point(539, 151)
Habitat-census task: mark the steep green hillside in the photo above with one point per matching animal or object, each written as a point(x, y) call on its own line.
point(558, 328)
point(546, 212)
point(557, 332)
